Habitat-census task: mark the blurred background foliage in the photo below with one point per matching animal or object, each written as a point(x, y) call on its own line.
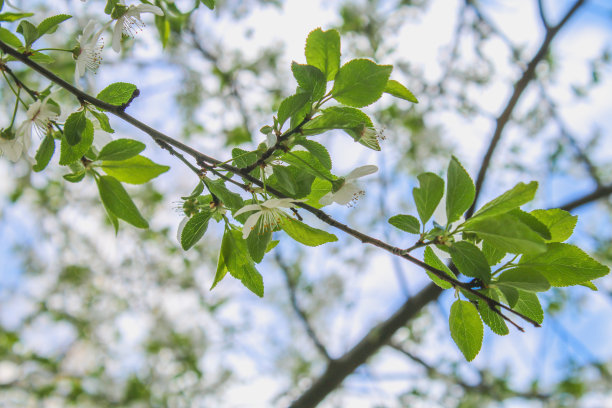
point(88, 318)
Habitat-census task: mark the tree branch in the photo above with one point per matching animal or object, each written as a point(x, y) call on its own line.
point(519, 88)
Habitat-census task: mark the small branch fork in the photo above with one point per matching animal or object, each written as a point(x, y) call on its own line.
point(208, 163)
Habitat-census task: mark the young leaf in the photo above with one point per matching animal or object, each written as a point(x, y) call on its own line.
point(305, 234)
point(529, 305)
point(135, 170)
point(74, 127)
point(103, 121)
point(317, 150)
point(49, 25)
point(406, 223)
point(209, 3)
point(118, 94)
point(466, 328)
point(338, 117)
point(121, 149)
point(460, 191)
point(10, 38)
point(235, 258)
point(520, 194)
point(290, 106)
point(495, 322)
point(69, 154)
point(432, 259)
point(228, 198)
point(194, 229)
point(29, 32)
point(532, 222)
point(399, 91)
point(360, 82)
point(428, 195)
point(257, 244)
point(507, 233)
point(310, 79)
point(560, 223)
point(323, 51)
point(525, 279)
point(470, 260)
point(44, 153)
point(494, 255)
point(118, 202)
point(75, 177)
point(10, 17)
point(564, 265)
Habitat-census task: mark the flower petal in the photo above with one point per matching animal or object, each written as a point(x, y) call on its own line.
point(117, 31)
point(361, 171)
point(327, 199)
point(179, 231)
point(250, 224)
point(147, 8)
point(246, 208)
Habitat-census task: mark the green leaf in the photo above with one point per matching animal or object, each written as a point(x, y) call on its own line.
point(74, 127)
point(257, 244)
point(290, 106)
point(228, 198)
point(317, 150)
point(121, 149)
point(560, 223)
point(466, 328)
point(41, 58)
point(507, 233)
point(110, 4)
point(589, 285)
point(69, 154)
point(310, 79)
point(399, 91)
point(118, 202)
point(495, 322)
point(50, 25)
point(493, 254)
point(529, 305)
point(29, 32)
point(406, 223)
point(243, 158)
point(305, 234)
point(135, 170)
point(510, 293)
point(525, 279)
point(564, 265)
point(532, 222)
point(10, 17)
point(428, 195)
point(337, 117)
point(323, 51)
point(234, 257)
point(44, 153)
point(103, 121)
point(209, 3)
point(432, 259)
point(308, 163)
point(195, 228)
point(75, 177)
point(520, 194)
point(10, 38)
point(360, 82)
point(470, 260)
point(318, 189)
point(284, 178)
point(460, 191)
point(118, 94)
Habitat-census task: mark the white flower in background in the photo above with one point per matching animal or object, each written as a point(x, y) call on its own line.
point(88, 53)
point(38, 118)
point(11, 146)
point(269, 212)
point(349, 191)
point(129, 22)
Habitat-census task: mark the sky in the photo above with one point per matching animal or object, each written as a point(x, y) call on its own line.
point(573, 332)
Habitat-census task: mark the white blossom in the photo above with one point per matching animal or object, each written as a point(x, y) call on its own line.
point(130, 23)
point(349, 191)
point(88, 53)
point(269, 212)
point(38, 116)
